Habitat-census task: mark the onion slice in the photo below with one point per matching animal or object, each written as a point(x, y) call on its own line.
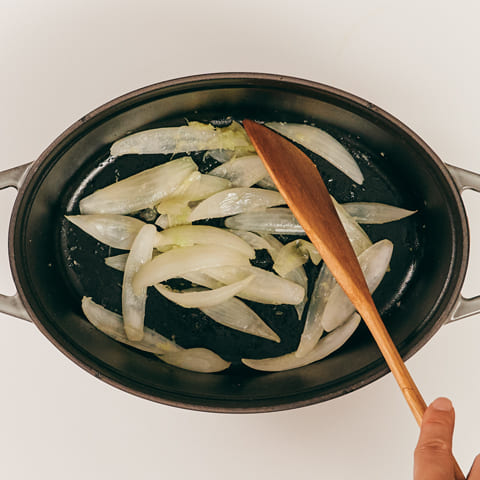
point(188, 138)
point(295, 254)
point(196, 187)
point(175, 210)
point(355, 233)
point(111, 324)
point(202, 279)
point(266, 287)
point(374, 263)
point(282, 221)
point(313, 329)
point(117, 231)
point(376, 213)
point(117, 261)
point(143, 190)
point(187, 235)
point(196, 360)
point(325, 346)
point(204, 187)
point(162, 221)
point(237, 315)
point(255, 241)
point(205, 298)
point(320, 142)
point(272, 220)
point(179, 261)
point(274, 245)
point(235, 200)
point(243, 171)
point(325, 283)
point(268, 183)
point(297, 275)
point(133, 303)
point(222, 156)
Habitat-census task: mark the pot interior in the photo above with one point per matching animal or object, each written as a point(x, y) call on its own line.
point(55, 264)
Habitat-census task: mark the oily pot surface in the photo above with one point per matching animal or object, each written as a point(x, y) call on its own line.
point(412, 299)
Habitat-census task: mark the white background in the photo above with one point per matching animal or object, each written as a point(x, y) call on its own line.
point(417, 59)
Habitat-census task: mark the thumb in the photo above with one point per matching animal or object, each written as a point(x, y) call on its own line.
point(433, 454)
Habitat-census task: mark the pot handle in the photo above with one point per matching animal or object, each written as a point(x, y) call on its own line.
point(12, 305)
point(465, 180)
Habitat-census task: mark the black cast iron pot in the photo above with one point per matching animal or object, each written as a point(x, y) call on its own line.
point(53, 263)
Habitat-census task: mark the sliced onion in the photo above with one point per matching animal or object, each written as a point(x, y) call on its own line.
point(133, 303)
point(188, 138)
point(268, 183)
point(254, 240)
point(175, 207)
point(313, 329)
point(205, 298)
point(266, 287)
point(222, 156)
point(205, 186)
point(243, 171)
point(235, 314)
point(297, 275)
point(290, 257)
point(274, 245)
point(192, 179)
point(374, 263)
point(176, 262)
point(321, 143)
point(293, 255)
point(196, 187)
point(376, 213)
point(282, 221)
point(272, 220)
point(235, 200)
point(325, 346)
point(176, 210)
point(162, 221)
point(117, 231)
point(187, 235)
point(315, 257)
point(117, 261)
point(355, 233)
point(196, 360)
point(143, 190)
point(111, 324)
point(202, 279)
point(325, 283)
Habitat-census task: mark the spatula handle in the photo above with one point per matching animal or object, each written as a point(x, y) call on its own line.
point(412, 395)
point(302, 187)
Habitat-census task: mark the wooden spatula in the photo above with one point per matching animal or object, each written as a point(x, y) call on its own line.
point(302, 187)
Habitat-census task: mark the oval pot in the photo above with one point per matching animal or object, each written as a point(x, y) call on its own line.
point(422, 292)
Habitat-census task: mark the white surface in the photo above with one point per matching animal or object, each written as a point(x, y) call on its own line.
point(59, 60)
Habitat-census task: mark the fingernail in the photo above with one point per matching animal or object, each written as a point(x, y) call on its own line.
point(443, 404)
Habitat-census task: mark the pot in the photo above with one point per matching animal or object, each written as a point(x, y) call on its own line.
point(52, 267)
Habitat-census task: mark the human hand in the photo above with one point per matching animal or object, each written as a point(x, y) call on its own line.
point(433, 454)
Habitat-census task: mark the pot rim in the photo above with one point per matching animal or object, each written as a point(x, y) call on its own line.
point(352, 102)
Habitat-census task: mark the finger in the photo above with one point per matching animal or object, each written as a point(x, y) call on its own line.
point(475, 470)
point(433, 454)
